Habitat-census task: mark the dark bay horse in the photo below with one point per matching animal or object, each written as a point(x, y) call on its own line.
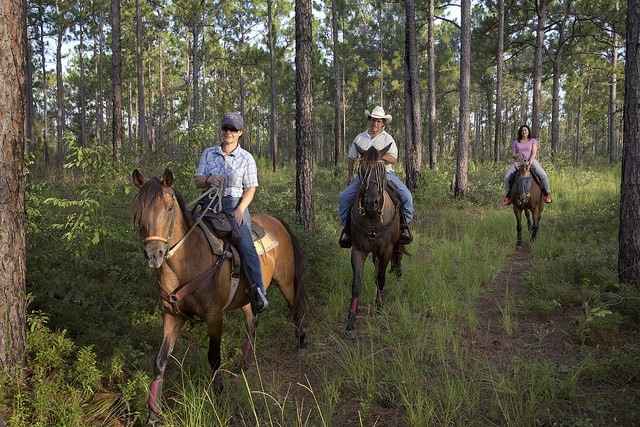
point(198, 278)
point(375, 229)
point(527, 196)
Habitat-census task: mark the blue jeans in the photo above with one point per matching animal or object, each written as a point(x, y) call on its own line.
point(345, 200)
point(245, 247)
point(536, 169)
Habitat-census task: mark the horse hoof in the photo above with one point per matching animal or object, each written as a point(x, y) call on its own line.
point(302, 352)
point(351, 335)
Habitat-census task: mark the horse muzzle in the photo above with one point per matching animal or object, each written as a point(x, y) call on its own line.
point(155, 252)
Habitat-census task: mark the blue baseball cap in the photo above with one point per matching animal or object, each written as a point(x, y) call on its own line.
point(233, 120)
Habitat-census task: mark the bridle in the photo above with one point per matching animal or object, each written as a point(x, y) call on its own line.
point(378, 175)
point(185, 289)
point(166, 240)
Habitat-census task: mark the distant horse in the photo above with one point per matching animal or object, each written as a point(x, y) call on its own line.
point(198, 278)
point(527, 196)
point(375, 229)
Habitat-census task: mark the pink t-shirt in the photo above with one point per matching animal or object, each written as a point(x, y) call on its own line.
point(524, 147)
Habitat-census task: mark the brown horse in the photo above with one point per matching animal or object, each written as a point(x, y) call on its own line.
point(198, 278)
point(375, 230)
point(527, 196)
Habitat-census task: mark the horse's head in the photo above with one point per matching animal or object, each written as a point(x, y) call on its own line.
point(154, 210)
point(523, 182)
point(372, 174)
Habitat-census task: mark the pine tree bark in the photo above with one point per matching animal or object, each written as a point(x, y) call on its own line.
point(12, 209)
point(116, 78)
point(629, 233)
point(497, 144)
point(462, 168)
point(337, 100)
point(413, 118)
point(431, 48)
point(304, 116)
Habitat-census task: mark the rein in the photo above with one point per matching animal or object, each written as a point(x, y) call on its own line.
point(186, 288)
point(166, 240)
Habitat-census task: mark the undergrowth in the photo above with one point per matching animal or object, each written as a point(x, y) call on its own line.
point(94, 313)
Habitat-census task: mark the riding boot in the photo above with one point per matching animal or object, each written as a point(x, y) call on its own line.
point(345, 237)
point(405, 234)
point(259, 298)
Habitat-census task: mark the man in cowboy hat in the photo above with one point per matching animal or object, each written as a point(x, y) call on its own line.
point(376, 137)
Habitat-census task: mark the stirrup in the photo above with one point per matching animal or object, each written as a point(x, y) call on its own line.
point(261, 301)
point(405, 235)
point(345, 240)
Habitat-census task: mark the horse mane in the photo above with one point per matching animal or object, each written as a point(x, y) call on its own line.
point(148, 196)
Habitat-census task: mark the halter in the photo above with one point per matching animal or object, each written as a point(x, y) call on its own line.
point(172, 250)
point(165, 240)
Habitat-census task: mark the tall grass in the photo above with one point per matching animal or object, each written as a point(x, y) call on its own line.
point(411, 362)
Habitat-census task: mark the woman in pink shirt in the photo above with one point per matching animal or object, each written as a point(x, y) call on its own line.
point(526, 149)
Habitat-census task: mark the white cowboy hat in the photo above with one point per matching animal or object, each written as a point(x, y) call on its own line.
point(378, 113)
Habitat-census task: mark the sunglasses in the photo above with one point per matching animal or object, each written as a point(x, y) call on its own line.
point(228, 129)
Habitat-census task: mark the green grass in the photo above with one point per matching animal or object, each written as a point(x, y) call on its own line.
point(95, 317)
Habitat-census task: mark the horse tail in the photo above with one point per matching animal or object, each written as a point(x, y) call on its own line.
point(300, 292)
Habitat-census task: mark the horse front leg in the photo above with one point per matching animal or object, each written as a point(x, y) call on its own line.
point(518, 228)
point(214, 330)
point(357, 265)
point(170, 332)
point(396, 261)
point(381, 279)
point(248, 349)
point(536, 223)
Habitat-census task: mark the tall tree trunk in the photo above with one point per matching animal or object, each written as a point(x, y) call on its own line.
point(497, 144)
point(30, 133)
point(304, 116)
point(60, 96)
point(161, 92)
point(45, 91)
point(612, 137)
point(337, 100)
point(83, 104)
point(273, 114)
point(431, 104)
point(556, 61)
point(579, 127)
point(100, 70)
point(413, 118)
point(629, 234)
point(195, 72)
point(116, 79)
point(541, 9)
point(13, 299)
point(142, 122)
point(462, 168)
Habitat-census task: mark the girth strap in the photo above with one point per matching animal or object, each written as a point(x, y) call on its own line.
point(186, 288)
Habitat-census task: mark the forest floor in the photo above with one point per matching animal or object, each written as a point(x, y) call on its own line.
point(533, 338)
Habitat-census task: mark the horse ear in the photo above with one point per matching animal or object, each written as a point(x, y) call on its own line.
point(384, 150)
point(138, 179)
point(167, 179)
point(360, 150)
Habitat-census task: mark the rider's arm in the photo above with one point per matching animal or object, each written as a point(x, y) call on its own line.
point(534, 152)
